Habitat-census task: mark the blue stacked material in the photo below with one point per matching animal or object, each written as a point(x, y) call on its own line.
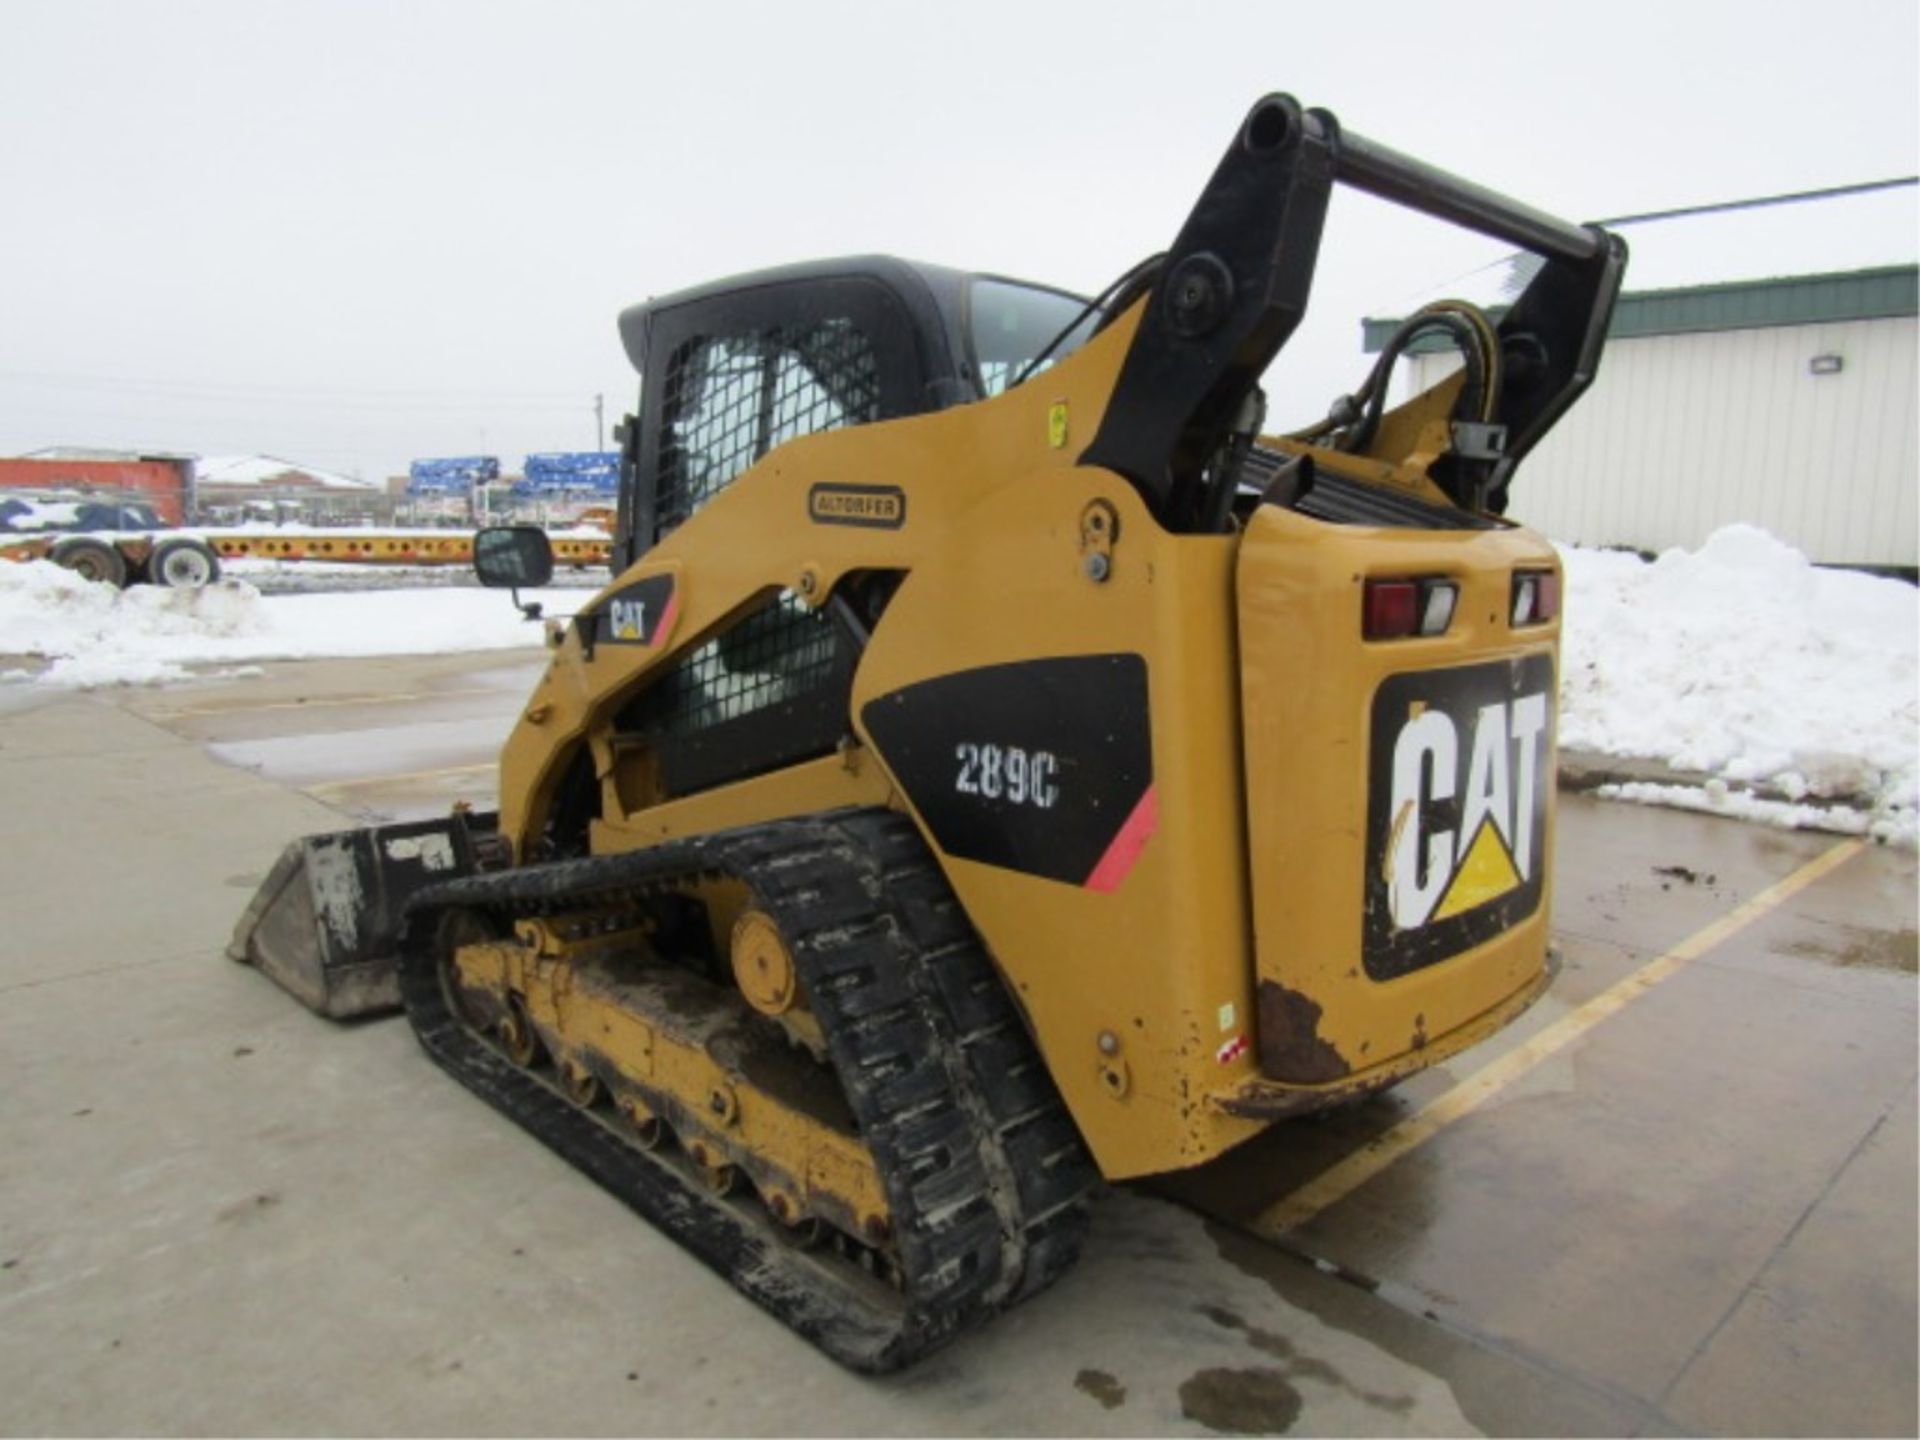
point(582, 472)
point(454, 476)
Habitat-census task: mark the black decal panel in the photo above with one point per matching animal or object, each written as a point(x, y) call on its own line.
point(1460, 766)
point(1036, 766)
point(635, 615)
point(878, 507)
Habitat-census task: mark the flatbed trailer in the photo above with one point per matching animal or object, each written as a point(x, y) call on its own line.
point(188, 559)
point(372, 547)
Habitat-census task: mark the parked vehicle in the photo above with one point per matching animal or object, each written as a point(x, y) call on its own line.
point(68, 528)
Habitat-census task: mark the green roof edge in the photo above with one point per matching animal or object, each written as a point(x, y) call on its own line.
point(1881, 293)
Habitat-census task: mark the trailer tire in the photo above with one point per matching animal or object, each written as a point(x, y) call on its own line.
point(92, 559)
point(181, 562)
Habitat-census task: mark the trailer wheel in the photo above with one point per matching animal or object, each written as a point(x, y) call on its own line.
point(183, 563)
point(92, 560)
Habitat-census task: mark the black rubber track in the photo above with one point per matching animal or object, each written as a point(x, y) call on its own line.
point(985, 1173)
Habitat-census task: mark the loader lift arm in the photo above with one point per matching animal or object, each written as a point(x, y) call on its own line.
point(1235, 285)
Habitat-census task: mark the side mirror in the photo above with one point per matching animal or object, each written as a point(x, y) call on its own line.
point(505, 557)
point(509, 556)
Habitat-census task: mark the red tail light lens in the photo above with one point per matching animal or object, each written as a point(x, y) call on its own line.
point(1536, 596)
point(1548, 601)
point(1395, 609)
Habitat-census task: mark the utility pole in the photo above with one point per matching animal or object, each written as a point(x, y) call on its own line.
point(600, 422)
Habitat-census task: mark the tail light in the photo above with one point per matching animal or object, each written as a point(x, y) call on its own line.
point(1536, 596)
point(1395, 609)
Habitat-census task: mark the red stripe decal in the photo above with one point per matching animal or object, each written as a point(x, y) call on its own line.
point(1115, 865)
point(665, 627)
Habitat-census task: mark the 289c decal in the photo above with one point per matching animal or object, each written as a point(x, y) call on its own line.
point(1025, 777)
point(1043, 766)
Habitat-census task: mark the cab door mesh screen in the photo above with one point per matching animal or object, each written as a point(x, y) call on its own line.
point(768, 692)
point(780, 653)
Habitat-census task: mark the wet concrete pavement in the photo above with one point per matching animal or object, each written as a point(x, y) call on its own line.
point(392, 738)
point(220, 1213)
point(1657, 1214)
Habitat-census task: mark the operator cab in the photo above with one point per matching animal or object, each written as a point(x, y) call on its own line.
point(732, 369)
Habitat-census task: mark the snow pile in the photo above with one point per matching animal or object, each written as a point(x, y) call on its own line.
point(96, 635)
point(1744, 661)
point(1716, 797)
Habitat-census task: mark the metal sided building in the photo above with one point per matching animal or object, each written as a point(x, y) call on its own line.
point(1761, 368)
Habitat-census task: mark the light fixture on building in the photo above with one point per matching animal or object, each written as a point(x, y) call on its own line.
point(1825, 365)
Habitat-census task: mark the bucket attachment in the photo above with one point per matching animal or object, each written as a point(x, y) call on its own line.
point(324, 922)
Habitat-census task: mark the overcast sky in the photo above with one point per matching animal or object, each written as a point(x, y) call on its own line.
point(350, 234)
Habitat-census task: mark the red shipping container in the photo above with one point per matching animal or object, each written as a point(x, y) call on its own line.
point(161, 483)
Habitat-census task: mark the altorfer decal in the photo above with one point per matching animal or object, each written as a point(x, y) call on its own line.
point(882, 507)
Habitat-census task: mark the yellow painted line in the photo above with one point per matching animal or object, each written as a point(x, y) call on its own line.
point(1342, 1179)
point(445, 772)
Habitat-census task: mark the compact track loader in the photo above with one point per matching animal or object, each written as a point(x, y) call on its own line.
point(995, 764)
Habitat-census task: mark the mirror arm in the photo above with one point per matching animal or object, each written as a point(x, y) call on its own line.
point(529, 608)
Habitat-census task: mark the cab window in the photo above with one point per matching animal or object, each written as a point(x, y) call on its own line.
point(1010, 324)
